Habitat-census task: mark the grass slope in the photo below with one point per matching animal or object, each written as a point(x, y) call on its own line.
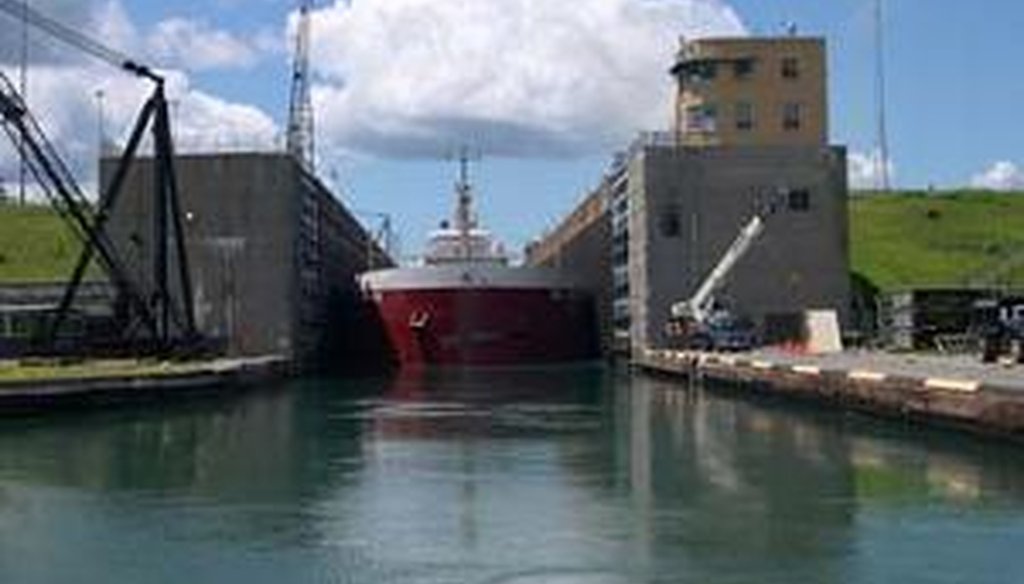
point(916, 240)
point(897, 241)
point(35, 245)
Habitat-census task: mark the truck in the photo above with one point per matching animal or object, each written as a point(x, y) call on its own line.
point(998, 325)
point(701, 322)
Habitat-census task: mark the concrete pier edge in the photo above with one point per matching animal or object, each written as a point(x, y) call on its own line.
point(226, 375)
point(963, 404)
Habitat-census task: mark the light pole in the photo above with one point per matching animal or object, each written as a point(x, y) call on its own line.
point(382, 239)
point(100, 122)
point(882, 164)
point(175, 115)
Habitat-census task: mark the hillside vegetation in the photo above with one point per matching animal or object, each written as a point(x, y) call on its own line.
point(954, 239)
point(35, 245)
point(896, 241)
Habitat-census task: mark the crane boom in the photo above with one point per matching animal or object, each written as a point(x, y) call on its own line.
point(60, 187)
point(699, 306)
point(24, 13)
point(150, 302)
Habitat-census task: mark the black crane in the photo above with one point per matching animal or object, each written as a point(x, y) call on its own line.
point(149, 303)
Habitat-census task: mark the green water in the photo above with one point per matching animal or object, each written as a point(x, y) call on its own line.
point(553, 476)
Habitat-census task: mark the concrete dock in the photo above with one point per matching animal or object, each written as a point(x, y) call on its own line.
point(949, 391)
point(43, 387)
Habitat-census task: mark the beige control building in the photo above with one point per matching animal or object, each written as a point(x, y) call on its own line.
point(752, 92)
point(750, 128)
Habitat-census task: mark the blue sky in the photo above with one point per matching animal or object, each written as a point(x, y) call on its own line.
point(955, 91)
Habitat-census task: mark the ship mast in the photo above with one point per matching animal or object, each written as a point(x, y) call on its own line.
point(464, 220)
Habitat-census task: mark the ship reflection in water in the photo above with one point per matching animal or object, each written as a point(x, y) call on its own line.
point(545, 475)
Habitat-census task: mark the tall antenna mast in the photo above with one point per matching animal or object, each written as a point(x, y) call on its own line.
point(464, 207)
point(464, 166)
point(465, 219)
point(300, 139)
point(883, 135)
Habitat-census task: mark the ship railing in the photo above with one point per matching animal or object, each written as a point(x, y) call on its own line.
point(421, 260)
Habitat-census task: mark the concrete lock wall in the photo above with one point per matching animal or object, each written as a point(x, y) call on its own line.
point(240, 216)
point(688, 205)
point(269, 248)
point(580, 247)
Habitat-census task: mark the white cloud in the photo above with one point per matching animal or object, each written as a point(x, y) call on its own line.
point(205, 122)
point(64, 99)
point(1001, 176)
point(103, 19)
point(62, 94)
point(197, 46)
point(865, 170)
point(172, 43)
point(512, 77)
point(110, 24)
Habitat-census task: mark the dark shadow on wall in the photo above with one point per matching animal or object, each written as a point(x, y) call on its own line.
point(864, 306)
point(354, 341)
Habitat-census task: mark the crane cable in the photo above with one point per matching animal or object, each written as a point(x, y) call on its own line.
point(23, 13)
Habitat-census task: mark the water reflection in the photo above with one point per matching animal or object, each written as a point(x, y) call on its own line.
point(465, 477)
point(261, 448)
point(554, 475)
point(736, 488)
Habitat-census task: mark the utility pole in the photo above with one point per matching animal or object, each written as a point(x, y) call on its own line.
point(175, 116)
point(379, 236)
point(100, 123)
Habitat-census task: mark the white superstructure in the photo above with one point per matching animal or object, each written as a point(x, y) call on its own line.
point(462, 255)
point(463, 241)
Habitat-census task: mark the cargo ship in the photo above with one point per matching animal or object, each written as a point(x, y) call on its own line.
point(465, 304)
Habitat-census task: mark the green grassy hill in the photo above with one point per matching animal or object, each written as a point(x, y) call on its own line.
point(897, 241)
point(35, 245)
point(953, 239)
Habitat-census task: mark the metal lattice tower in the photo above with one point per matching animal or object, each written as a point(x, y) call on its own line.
point(300, 142)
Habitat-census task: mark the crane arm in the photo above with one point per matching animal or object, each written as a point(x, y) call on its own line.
point(148, 301)
point(20, 10)
point(699, 305)
point(61, 189)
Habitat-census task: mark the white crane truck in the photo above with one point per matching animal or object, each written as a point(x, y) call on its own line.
point(699, 322)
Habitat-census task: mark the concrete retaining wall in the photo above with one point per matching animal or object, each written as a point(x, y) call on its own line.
point(979, 407)
point(47, 395)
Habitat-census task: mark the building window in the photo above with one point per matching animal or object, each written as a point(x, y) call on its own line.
point(743, 68)
point(799, 200)
point(705, 70)
point(744, 116)
point(790, 68)
point(669, 224)
point(702, 118)
point(791, 113)
point(698, 71)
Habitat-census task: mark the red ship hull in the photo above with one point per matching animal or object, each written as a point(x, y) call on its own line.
point(486, 326)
